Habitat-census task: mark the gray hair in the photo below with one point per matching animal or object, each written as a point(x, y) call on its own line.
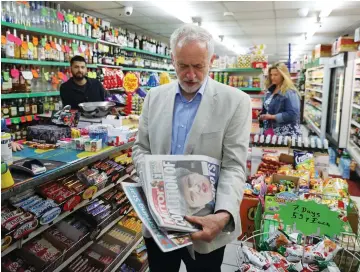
point(188, 33)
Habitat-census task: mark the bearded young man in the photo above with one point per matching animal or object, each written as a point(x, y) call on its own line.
point(199, 116)
point(80, 88)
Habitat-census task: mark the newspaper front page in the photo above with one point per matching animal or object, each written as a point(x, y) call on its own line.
point(180, 185)
point(166, 241)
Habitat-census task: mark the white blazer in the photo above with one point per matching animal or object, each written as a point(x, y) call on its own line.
point(221, 130)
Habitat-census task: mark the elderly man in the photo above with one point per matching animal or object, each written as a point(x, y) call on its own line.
point(197, 115)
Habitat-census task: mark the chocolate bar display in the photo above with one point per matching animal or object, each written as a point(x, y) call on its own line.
point(49, 134)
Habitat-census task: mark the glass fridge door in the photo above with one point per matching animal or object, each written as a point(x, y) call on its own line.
point(335, 103)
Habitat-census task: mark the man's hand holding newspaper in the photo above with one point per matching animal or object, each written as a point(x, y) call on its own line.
point(211, 224)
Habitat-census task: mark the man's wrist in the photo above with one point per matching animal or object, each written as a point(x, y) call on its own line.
point(224, 216)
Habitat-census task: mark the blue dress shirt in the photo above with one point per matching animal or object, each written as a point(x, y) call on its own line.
point(183, 118)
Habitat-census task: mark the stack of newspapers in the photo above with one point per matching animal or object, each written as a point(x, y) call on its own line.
point(170, 188)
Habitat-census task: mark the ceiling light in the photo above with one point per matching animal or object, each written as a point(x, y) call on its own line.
point(227, 13)
point(325, 12)
point(180, 10)
point(303, 12)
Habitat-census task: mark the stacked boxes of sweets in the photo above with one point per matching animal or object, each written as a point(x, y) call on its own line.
point(114, 242)
point(25, 212)
point(137, 261)
point(84, 264)
point(13, 263)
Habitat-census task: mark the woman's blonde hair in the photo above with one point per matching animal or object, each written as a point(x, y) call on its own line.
point(287, 82)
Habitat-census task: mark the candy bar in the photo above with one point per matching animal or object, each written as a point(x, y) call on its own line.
point(82, 265)
point(25, 229)
point(103, 215)
point(5, 217)
point(10, 225)
point(75, 263)
point(21, 197)
point(25, 202)
point(99, 209)
point(62, 195)
point(13, 266)
point(93, 205)
point(39, 210)
point(50, 215)
point(32, 204)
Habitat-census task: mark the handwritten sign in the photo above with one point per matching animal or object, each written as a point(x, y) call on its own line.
point(311, 218)
point(131, 82)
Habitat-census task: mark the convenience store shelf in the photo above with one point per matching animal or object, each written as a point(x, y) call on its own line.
point(312, 125)
point(145, 52)
point(314, 90)
point(28, 95)
point(355, 123)
point(41, 63)
point(146, 70)
point(315, 83)
point(250, 89)
point(62, 216)
point(22, 119)
point(108, 43)
point(317, 99)
point(354, 151)
point(109, 66)
point(62, 170)
point(235, 70)
point(48, 32)
point(356, 106)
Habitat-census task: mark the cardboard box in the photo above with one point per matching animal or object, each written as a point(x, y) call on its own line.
point(322, 51)
point(247, 215)
point(346, 44)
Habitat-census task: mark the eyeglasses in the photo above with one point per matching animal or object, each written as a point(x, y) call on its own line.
point(197, 67)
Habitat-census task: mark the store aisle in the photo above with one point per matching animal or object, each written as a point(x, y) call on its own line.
point(229, 263)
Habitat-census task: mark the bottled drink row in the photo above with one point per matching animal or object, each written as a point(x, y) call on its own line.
point(236, 81)
point(313, 144)
point(49, 15)
point(29, 106)
point(28, 78)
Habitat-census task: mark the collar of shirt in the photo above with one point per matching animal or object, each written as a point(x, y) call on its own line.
point(200, 92)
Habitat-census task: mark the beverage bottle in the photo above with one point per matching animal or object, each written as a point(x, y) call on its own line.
point(30, 52)
point(23, 50)
point(9, 47)
point(15, 82)
point(17, 48)
point(8, 13)
point(35, 52)
point(51, 104)
point(56, 104)
point(22, 84)
point(33, 14)
point(47, 52)
point(95, 56)
point(6, 81)
point(41, 12)
point(59, 24)
point(5, 109)
point(40, 106)
point(60, 103)
point(65, 24)
point(27, 14)
point(66, 54)
point(88, 27)
point(21, 107)
point(27, 107)
point(56, 52)
point(71, 24)
point(46, 105)
point(75, 25)
point(34, 106)
point(13, 109)
point(61, 53)
point(41, 52)
point(94, 30)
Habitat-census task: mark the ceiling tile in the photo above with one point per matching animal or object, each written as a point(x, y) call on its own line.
point(294, 4)
point(135, 3)
point(240, 6)
point(260, 22)
point(286, 13)
point(261, 39)
point(345, 12)
point(231, 31)
point(258, 30)
point(97, 5)
point(254, 14)
point(206, 7)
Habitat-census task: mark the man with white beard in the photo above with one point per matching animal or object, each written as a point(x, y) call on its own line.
point(199, 116)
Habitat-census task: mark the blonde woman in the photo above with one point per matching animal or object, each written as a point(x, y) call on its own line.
point(281, 109)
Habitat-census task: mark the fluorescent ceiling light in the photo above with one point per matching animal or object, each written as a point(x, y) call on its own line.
point(178, 9)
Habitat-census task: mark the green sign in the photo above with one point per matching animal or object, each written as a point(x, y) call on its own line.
point(311, 218)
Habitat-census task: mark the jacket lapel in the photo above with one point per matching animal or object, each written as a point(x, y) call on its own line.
point(202, 117)
point(166, 124)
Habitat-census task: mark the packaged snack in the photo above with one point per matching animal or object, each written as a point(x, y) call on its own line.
point(246, 267)
point(276, 239)
point(270, 159)
point(336, 187)
point(304, 161)
point(292, 253)
point(255, 257)
point(325, 250)
point(285, 169)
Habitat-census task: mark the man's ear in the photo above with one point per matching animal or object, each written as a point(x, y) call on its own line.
point(212, 59)
point(172, 59)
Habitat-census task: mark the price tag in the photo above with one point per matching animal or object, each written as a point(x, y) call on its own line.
point(24, 45)
point(60, 16)
point(23, 119)
point(35, 73)
point(11, 38)
point(8, 122)
point(311, 218)
point(44, 12)
point(30, 46)
point(64, 78)
point(46, 75)
point(27, 75)
point(6, 76)
point(29, 118)
point(47, 47)
point(53, 45)
point(14, 73)
point(18, 41)
point(35, 41)
point(3, 39)
point(43, 42)
point(67, 49)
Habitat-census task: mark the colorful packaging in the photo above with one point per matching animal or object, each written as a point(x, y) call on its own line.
point(276, 239)
point(255, 257)
point(304, 160)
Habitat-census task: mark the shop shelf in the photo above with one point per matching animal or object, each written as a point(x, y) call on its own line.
point(237, 70)
point(28, 95)
point(353, 122)
point(354, 151)
point(40, 63)
point(146, 70)
point(109, 66)
point(317, 98)
point(312, 125)
point(64, 215)
point(61, 171)
point(356, 106)
point(145, 52)
point(22, 119)
point(250, 89)
point(315, 83)
point(48, 32)
point(108, 43)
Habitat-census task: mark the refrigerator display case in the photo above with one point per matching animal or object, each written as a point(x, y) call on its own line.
point(316, 97)
point(339, 104)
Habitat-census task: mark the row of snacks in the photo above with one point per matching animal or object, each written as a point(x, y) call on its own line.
point(39, 207)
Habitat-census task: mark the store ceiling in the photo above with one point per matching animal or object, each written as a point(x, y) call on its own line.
point(274, 23)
